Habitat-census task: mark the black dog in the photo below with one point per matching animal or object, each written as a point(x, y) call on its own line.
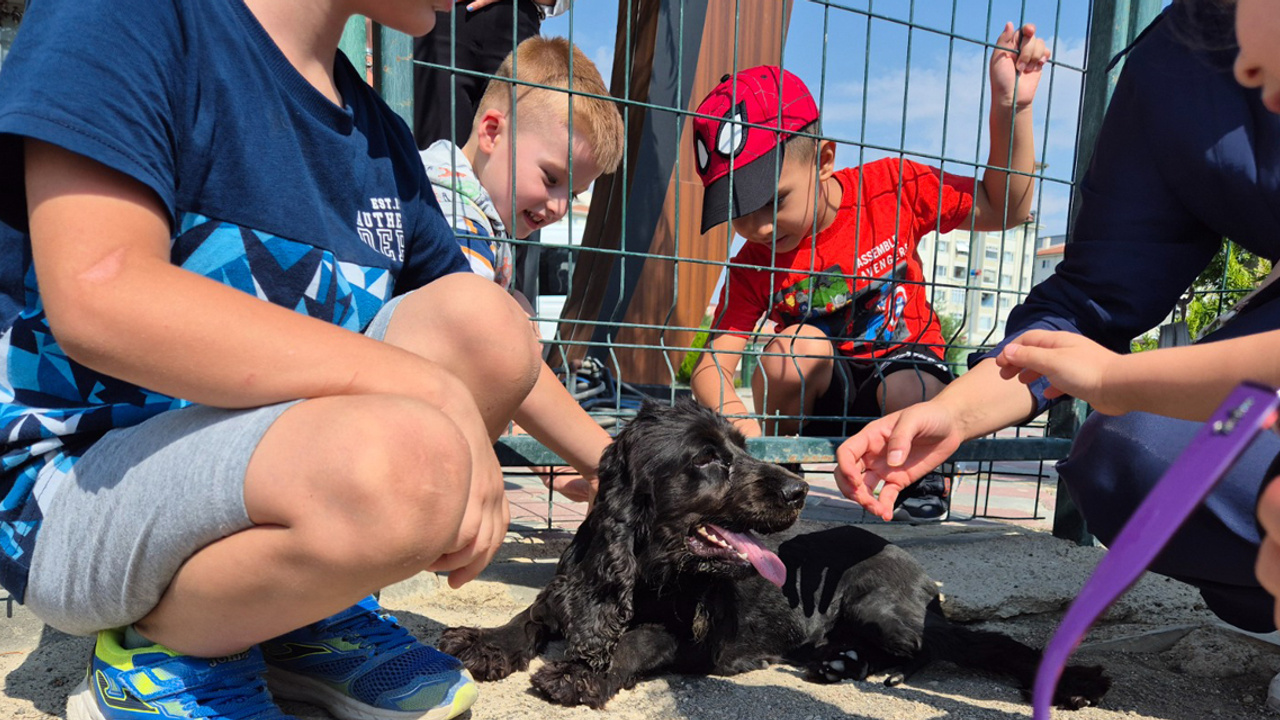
point(665, 575)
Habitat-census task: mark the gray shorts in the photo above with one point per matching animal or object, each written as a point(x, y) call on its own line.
point(120, 522)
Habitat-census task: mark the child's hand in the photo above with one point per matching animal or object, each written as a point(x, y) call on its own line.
point(896, 450)
point(1018, 62)
point(1073, 364)
point(1267, 567)
point(484, 522)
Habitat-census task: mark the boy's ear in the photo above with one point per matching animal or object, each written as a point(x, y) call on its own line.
point(826, 159)
point(489, 128)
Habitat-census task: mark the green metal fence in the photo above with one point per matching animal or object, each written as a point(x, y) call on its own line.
point(867, 63)
point(892, 79)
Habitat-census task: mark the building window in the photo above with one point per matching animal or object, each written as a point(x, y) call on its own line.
point(984, 323)
point(988, 300)
point(1008, 257)
point(989, 278)
point(1006, 281)
point(993, 252)
point(957, 297)
point(942, 245)
point(1004, 303)
point(958, 272)
point(962, 247)
point(940, 272)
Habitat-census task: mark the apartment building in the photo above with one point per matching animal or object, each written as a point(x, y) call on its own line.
point(1048, 255)
point(979, 277)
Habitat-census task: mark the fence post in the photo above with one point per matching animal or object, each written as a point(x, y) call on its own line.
point(1112, 27)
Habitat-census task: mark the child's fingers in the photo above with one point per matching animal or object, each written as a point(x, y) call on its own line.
point(1269, 508)
point(1026, 377)
point(857, 490)
point(1008, 39)
point(1267, 567)
point(1033, 55)
point(888, 494)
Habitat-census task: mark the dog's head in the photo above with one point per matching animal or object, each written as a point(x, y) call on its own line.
point(707, 498)
point(679, 495)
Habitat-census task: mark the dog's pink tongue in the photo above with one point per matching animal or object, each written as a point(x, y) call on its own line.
point(766, 562)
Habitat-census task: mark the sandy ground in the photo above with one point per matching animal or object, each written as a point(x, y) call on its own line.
point(1167, 656)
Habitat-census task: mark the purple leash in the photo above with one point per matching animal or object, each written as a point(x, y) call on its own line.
point(1249, 410)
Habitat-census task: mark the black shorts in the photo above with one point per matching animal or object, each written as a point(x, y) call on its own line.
point(850, 401)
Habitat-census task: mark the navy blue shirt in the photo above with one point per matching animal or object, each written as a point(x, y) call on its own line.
point(270, 187)
point(1185, 157)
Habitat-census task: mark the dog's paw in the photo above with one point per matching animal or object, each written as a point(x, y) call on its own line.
point(844, 665)
point(572, 683)
point(1081, 686)
point(743, 664)
point(485, 661)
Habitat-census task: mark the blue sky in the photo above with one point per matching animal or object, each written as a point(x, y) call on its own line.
point(937, 83)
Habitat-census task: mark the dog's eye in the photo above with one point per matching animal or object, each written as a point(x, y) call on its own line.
point(706, 457)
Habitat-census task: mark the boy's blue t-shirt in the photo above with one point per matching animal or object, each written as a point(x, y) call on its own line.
point(271, 189)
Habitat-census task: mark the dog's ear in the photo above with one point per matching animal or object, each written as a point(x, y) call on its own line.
point(594, 584)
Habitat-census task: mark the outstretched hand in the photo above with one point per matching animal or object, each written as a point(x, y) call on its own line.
point(1016, 65)
point(1073, 364)
point(894, 452)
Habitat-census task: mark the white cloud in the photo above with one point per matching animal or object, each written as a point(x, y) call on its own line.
point(603, 58)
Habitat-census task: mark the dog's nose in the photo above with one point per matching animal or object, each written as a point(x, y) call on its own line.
point(794, 492)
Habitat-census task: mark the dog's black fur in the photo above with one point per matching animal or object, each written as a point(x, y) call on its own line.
point(639, 591)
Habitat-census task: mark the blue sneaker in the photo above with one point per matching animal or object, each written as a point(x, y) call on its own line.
point(155, 682)
point(361, 665)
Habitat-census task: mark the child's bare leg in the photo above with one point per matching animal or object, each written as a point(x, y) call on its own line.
point(351, 493)
point(347, 495)
point(906, 387)
point(794, 371)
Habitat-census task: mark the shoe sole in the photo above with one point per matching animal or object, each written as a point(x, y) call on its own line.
point(292, 686)
point(81, 705)
point(901, 514)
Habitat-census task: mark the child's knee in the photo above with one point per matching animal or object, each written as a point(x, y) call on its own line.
point(495, 330)
point(907, 387)
point(802, 351)
point(400, 495)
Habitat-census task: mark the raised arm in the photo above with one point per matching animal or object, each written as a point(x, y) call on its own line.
point(1003, 199)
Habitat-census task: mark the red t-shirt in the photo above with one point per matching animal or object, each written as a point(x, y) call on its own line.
point(861, 281)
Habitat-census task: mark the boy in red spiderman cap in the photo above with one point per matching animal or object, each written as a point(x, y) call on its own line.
point(831, 259)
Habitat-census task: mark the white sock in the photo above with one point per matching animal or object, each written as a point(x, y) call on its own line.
point(134, 639)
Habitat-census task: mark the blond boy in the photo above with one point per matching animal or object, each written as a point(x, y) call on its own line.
point(534, 145)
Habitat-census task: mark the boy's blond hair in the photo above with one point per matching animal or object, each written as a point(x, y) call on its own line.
point(545, 61)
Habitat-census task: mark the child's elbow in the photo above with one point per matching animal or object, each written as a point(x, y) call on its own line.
point(83, 312)
point(78, 329)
